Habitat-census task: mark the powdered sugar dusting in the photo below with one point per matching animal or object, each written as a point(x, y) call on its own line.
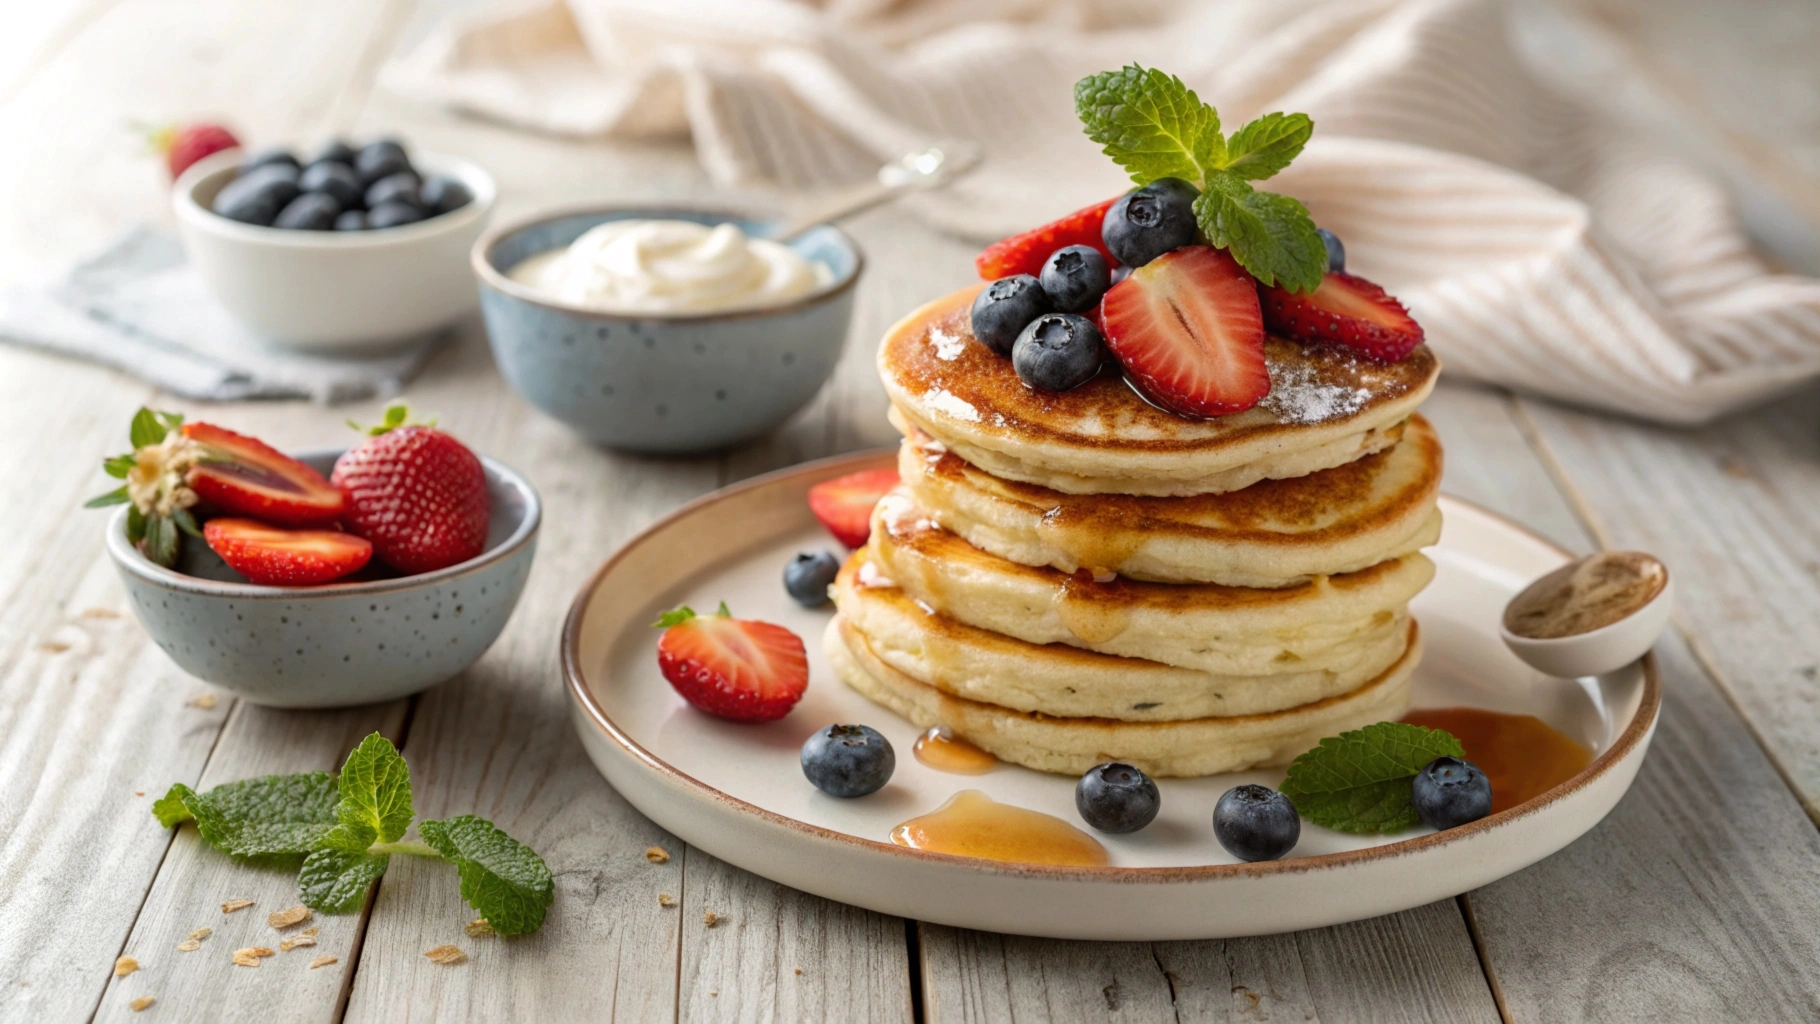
point(1298, 394)
point(948, 347)
point(954, 405)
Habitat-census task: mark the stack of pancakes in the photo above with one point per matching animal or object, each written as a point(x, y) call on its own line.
point(1067, 579)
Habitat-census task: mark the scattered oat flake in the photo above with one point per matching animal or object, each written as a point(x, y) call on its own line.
point(125, 966)
point(99, 613)
point(710, 919)
point(323, 961)
point(448, 956)
point(138, 792)
point(245, 959)
point(188, 946)
point(295, 941)
point(53, 647)
point(799, 970)
point(204, 701)
point(664, 899)
point(657, 855)
point(478, 927)
point(141, 1003)
point(286, 918)
point(232, 905)
point(202, 933)
point(311, 932)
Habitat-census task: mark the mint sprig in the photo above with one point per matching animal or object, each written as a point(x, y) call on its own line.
point(1359, 781)
point(1154, 127)
point(346, 828)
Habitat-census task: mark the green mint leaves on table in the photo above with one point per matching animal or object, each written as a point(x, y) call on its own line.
point(1359, 781)
point(1155, 127)
point(345, 829)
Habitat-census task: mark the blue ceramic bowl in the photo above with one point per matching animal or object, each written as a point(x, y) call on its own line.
point(341, 644)
point(656, 383)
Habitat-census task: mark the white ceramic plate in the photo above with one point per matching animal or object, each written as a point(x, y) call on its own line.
point(737, 791)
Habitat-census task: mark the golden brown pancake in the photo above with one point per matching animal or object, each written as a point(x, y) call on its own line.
point(1326, 408)
point(1274, 533)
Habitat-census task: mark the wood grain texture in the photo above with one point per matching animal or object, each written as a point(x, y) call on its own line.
point(776, 954)
point(205, 985)
point(1414, 966)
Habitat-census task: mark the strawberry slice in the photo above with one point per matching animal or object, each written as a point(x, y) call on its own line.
point(1187, 328)
point(736, 669)
point(844, 504)
point(1025, 253)
point(1348, 311)
point(276, 557)
point(247, 477)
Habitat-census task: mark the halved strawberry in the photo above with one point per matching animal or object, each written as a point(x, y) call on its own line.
point(732, 668)
point(1025, 253)
point(248, 477)
point(276, 557)
point(844, 504)
point(1348, 311)
point(1187, 328)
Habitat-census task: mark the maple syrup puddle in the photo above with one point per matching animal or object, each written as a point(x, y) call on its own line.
point(972, 824)
point(1521, 755)
point(941, 749)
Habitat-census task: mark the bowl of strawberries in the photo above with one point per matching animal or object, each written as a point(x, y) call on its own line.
point(325, 578)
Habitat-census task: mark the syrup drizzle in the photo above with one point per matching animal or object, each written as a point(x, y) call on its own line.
point(1522, 755)
point(972, 824)
point(941, 749)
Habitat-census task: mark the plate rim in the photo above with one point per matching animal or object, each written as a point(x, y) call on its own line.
point(1635, 734)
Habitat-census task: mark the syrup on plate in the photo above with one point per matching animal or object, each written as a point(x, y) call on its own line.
point(941, 749)
point(972, 824)
point(1521, 755)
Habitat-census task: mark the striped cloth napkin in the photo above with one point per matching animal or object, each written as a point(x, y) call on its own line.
point(1545, 245)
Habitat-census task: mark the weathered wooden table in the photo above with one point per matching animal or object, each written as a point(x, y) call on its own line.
point(1698, 899)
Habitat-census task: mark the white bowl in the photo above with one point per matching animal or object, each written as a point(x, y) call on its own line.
point(335, 290)
point(1602, 650)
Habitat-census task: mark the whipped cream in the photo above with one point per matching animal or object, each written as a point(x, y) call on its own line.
point(671, 266)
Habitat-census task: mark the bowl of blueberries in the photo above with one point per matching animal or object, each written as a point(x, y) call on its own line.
point(347, 248)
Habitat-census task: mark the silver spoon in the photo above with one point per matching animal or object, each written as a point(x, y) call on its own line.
point(913, 172)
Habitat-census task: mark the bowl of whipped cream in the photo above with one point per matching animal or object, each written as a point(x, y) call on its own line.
point(665, 331)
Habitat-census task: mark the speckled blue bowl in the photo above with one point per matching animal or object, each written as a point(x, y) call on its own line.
point(344, 643)
point(662, 384)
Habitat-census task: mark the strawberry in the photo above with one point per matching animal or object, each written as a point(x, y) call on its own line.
point(1025, 253)
point(418, 494)
point(1187, 327)
point(1346, 310)
point(732, 668)
point(844, 504)
point(183, 145)
point(174, 466)
point(275, 557)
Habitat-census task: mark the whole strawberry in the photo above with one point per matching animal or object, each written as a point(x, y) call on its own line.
point(184, 144)
point(417, 494)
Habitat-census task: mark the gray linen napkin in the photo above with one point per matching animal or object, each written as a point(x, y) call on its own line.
point(140, 307)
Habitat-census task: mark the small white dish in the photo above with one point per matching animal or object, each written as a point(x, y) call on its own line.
point(737, 791)
point(335, 291)
point(1605, 649)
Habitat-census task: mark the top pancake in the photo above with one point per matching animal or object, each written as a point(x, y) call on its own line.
point(1326, 408)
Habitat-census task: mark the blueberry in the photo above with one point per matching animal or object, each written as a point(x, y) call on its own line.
point(1256, 823)
point(1004, 307)
point(267, 158)
point(1119, 273)
point(1336, 253)
point(848, 760)
point(1115, 797)
point(336, 179)
point(351, 220)
point(391, 215)
point(380, 159)
point(1450, 792)
point(335, 151)
point(257, 197)
point(1147, 222)
point(807, 576)
point(444, 195)
point(394, 188)
point(312, 211)
point(1058, 351)
point(1074, 277)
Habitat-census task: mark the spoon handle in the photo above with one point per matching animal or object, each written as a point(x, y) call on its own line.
point(913, 172)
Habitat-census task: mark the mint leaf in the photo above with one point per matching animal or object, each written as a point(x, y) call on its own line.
point(1150, 124)
point(375, 801)
point(1270, 235)
point(1359, 781)
point(502, 879)
point(335, 881)
point(275, 815)
point(1267, 145)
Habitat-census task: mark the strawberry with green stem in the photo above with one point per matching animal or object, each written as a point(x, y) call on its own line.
point(416, 492)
